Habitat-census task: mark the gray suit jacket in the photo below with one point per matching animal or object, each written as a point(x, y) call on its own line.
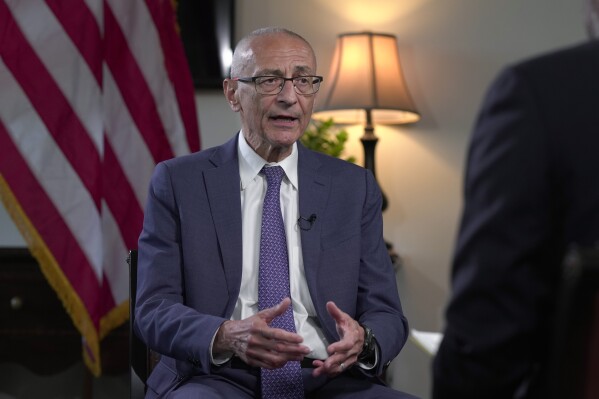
point(190, 256)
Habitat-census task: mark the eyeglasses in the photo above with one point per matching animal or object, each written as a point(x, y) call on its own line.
point(304, 85)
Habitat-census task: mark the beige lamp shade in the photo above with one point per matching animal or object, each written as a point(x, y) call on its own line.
point(366, 76)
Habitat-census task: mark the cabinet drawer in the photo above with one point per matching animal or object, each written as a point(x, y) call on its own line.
point(35, 329)
point(28, 303)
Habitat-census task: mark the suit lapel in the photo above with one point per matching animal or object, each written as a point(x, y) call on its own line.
point(222, 186)
point(314, 188)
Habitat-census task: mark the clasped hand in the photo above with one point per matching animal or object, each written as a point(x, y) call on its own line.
point(259, 345)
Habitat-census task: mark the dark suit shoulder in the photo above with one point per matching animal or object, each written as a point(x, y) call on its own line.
point(194, 158)
point(576, 59)
point(328, 164)
point(207, 158)
point(563, 82)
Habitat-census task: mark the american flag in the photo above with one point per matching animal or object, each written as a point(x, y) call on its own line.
point(93, 93)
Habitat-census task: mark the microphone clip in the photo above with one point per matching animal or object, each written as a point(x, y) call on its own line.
point(306, 223)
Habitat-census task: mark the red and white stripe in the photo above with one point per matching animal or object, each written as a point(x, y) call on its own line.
point(93, 93)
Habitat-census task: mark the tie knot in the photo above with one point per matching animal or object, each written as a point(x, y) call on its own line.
point(274, 174)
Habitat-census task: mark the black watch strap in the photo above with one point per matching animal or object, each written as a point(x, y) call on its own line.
point(369, 344)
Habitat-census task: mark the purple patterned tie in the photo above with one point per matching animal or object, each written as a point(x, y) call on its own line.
point(273, 287)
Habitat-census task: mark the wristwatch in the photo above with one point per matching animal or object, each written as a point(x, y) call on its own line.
point(367, 354)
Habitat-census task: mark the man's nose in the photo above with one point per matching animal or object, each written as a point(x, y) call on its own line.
point(288, 91)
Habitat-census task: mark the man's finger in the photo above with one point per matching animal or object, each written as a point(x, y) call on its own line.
point(269, 314)
point(336, 313)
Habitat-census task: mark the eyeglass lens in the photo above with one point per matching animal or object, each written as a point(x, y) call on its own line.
point(274, 85)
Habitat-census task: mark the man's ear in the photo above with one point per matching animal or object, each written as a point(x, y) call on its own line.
point(230, 91)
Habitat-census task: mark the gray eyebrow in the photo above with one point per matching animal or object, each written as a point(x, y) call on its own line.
point(278, 72)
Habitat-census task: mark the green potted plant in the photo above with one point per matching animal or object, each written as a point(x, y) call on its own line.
point(323, 136)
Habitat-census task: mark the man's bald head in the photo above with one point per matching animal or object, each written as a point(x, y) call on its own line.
point(242, 56)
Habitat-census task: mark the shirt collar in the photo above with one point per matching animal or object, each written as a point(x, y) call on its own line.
point(250, 163)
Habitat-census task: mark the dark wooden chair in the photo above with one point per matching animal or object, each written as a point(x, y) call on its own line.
point(573, 368)
point(140, 358)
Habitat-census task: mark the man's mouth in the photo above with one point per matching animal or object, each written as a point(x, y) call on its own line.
point(283, 118)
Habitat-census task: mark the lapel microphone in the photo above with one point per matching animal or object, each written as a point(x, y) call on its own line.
point(306, 223)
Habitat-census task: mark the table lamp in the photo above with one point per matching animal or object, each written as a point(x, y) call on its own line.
point(367, 86)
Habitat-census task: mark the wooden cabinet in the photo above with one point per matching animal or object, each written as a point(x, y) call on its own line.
point(35, 329)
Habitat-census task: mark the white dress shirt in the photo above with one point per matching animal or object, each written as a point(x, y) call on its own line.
point(252, 190)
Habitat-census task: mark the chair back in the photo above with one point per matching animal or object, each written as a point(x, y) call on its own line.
point(573, 366)
point(139, 355)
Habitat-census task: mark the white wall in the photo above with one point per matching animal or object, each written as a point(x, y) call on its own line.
point(451, 50)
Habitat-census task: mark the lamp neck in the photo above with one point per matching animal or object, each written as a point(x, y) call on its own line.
point(369, 128)
point(369, 141)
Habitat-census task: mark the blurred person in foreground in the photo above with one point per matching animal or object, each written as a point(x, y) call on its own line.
point(531, 191)
point(262, 267)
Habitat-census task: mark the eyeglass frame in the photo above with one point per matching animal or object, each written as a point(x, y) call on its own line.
point(254, 78)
